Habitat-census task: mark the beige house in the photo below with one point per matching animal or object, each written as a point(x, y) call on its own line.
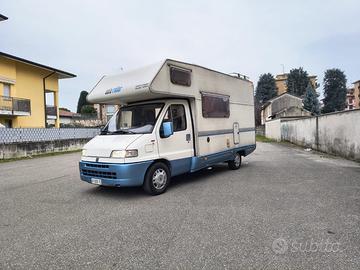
point(284, 105)
point(105, 111)
point(71, 119)
point(353, 97)
point(280, 81)
point(66, 117)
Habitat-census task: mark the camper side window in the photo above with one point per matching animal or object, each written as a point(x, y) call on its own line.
point(180, 76)
point(215, 106)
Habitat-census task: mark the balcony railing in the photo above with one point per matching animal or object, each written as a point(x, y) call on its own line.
point(51, 111)
point(14, 106)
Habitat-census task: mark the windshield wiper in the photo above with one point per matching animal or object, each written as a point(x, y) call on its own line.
point(121, 131)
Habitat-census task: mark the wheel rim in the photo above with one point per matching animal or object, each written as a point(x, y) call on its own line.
point(237, 160)
point(159, 178)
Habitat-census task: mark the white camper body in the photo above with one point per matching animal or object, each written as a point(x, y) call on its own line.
point(176, 118)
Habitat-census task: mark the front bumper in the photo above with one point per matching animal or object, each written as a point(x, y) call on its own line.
point(112, 174)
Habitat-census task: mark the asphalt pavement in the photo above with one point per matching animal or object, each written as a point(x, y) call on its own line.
point(286, 208)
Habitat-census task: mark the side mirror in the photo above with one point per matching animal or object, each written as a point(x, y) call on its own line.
point(166, 130)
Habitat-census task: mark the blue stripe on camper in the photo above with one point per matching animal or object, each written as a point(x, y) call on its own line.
point(132, 174)
point(223, 131)
point(198, 163)
point(180, 166)
point(113, 174)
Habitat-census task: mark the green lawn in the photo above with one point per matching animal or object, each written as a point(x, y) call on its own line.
point(260, 138)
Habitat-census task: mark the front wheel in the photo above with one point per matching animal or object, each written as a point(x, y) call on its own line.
point(236, 163)
point(157, 179)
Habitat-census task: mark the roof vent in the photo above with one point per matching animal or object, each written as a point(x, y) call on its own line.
point(238, 75)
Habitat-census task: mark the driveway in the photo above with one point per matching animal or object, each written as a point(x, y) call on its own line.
point(284, 209)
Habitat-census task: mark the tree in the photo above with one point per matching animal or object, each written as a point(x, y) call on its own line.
point(257, 113)
point(334, 90)
point(297, 81)
point(88, 109)
point(311, 102)
point(82, 101)
point(265, 90)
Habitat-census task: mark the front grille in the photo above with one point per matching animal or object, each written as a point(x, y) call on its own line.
point(110, 175)
point(97, 165)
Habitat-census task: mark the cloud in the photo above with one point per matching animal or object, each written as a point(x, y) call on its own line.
point(93, 38)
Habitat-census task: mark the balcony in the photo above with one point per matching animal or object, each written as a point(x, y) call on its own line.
point(51, 112)
point(14, 106)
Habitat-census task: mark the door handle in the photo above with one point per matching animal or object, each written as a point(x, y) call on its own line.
point(188, 137)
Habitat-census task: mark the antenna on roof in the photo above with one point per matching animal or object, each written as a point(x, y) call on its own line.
point(283, 68)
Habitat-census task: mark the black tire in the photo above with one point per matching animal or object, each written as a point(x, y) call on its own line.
point(236, 163)
point(157, 178)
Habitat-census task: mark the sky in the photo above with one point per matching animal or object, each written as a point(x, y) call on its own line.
point(95, 38)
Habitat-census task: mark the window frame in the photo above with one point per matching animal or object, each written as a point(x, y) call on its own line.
point(9, 89)
point(110, 112)
point(206, 114)
point(179, 69)
point(172, 118)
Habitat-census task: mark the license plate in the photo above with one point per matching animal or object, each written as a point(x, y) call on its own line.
point(95, 181)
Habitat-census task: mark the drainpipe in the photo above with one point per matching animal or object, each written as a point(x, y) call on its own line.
point(44, 79)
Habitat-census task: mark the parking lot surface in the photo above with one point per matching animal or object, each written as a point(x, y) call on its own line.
point(284, 209)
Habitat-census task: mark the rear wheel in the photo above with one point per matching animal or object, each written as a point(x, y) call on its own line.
point(236, 163)
point(157, 179)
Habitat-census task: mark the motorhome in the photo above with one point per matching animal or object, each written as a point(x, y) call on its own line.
point(174, 118)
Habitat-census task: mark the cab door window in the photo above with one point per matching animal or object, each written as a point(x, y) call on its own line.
point(178, 117)
point(176, 114)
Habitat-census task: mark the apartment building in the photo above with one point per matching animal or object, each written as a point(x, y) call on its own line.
point(280, 81)
point(29, 93)
point(353, 96)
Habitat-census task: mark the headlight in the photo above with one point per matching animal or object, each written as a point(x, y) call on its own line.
point(131, 153)
point(84, 152)
point(118, 154)
point(124, 153)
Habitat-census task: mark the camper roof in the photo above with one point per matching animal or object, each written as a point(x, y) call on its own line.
point(151, 82)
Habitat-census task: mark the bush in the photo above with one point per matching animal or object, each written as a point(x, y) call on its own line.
point(88, 109)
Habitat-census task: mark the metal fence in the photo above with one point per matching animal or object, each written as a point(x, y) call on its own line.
point(20, 135)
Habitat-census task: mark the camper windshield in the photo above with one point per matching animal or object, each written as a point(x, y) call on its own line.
point(136, 119)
